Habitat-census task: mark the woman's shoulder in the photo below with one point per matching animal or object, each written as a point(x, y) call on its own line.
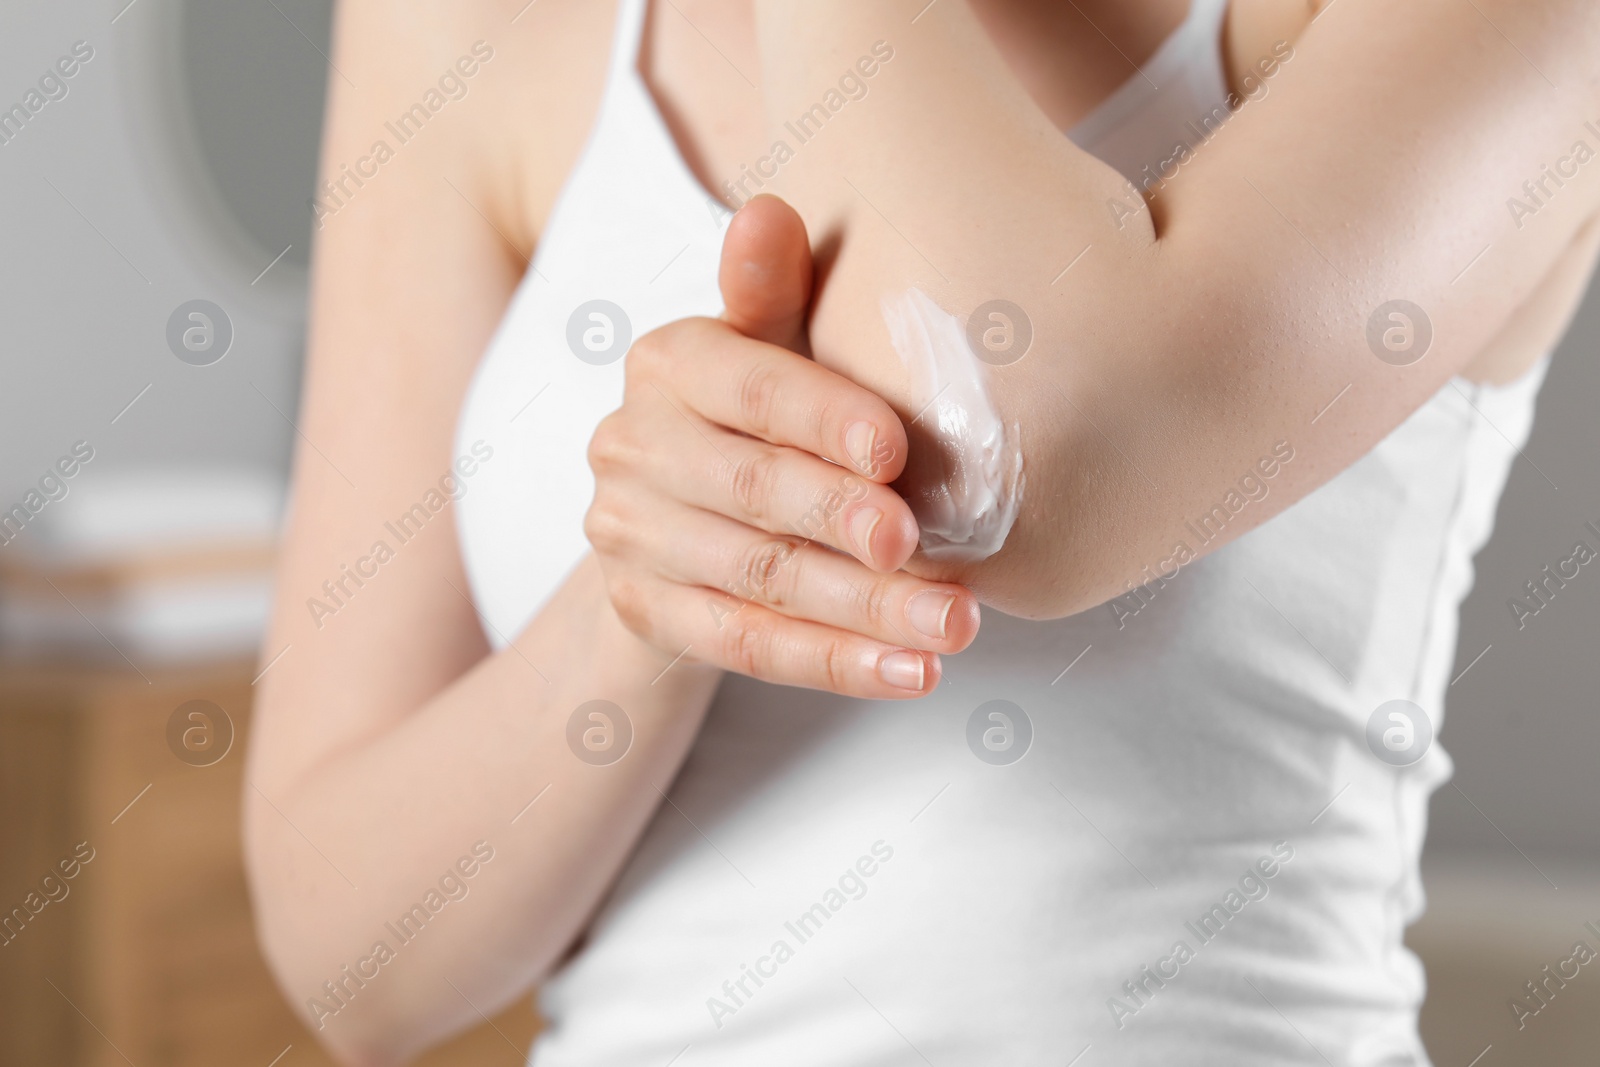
point(505, 89)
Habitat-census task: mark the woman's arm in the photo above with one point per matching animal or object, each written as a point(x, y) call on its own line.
point(1205, 338)
point(387, 742)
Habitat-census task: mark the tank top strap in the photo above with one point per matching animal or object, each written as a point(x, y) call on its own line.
point(626, 39)
point(1197, 44)
point(1207, 16)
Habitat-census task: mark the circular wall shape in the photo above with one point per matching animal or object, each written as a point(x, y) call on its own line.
point(224, 99)
point(255, 75)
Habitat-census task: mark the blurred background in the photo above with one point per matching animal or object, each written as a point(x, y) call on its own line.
point(167, 177)
point(157, 228)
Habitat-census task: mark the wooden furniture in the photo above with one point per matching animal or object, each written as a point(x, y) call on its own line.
point(1494, 923)
point(150, 958)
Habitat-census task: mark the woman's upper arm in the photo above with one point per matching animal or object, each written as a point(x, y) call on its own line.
point(417, 251)
point(1173, 347)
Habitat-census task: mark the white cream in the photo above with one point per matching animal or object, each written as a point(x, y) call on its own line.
point(967, 496)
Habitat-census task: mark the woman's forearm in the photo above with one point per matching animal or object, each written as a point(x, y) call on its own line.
point(491, 765)
point(1180, 347)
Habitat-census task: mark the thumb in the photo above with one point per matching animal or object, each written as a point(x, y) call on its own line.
point(765, 274)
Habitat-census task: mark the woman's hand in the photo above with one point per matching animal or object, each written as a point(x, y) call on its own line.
point(733, 470)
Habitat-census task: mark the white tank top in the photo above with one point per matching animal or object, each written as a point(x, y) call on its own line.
point(847, 881)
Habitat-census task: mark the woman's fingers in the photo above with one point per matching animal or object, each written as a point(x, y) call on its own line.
point(786, 491)
point(771, 393)
point(802, 580)
point(734, 468)
point(750, 639)
point(765, 274)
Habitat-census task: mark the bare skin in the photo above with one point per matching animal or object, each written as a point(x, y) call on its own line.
point(1211, 326)
point(389, 738)
point(794, 447)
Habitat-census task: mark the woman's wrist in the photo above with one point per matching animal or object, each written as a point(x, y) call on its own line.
point(630, 659)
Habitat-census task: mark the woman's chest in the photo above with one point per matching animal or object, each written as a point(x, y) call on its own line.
point(700, 62)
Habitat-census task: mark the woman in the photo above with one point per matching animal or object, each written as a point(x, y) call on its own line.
point(634, 722)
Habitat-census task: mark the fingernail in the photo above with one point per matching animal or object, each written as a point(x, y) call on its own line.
point(862, 524)
point(929, 612)
point(903, 670)
point(859, 437)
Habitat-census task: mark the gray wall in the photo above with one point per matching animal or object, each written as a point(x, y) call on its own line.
point(177, 167)
point(1521, 723)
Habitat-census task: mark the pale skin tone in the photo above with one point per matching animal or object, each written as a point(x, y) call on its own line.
point(786, 436)
point(1199, 333)
point(392, 738)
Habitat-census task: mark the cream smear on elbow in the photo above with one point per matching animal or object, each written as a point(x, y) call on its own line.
point(967, 511)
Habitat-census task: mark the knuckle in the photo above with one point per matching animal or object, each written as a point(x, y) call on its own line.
point(649, 354)
point(664, 348)
point(605, 528)
point(615, 448)
point(873, 599)
point(753, 483)
point(749, 646)
point(762, 571)
point(602, 449)
point(834, 666)
point(834, 410)
point(631, 606)
point(758, 392)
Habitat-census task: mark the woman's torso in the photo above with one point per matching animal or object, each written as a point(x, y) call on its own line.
point(699, 62)
point(1178, 740)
